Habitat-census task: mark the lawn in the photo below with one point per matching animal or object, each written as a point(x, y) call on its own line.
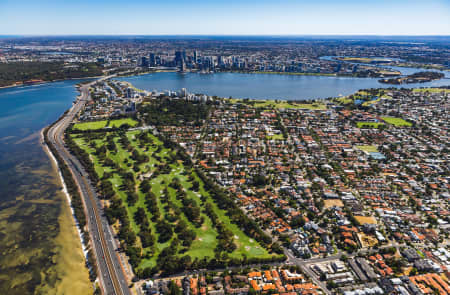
point(432, 90)
point(90, 125)
point(206, 235)
point(119, 122)
point(281, 104)
point(368, 124)
point(397, 122)
point(275, 137)
point(95, 125)
point(368, 148)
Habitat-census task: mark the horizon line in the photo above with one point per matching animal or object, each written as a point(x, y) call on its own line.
point(232, 35)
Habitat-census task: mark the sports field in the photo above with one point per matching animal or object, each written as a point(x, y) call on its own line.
point(397, 122)
point(368, 124)
point(281, 104)
point(95, 125)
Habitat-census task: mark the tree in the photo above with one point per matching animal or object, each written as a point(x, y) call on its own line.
point(174, 289)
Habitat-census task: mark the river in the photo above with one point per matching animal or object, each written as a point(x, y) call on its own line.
point(265, 86)
point(40, 249)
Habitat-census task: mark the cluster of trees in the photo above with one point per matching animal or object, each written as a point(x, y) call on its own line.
point(83, 157)
point(184, 233)
point(225, 236)
point(174, 112)
point(145, 234)
point(46, 71)
point(225, 202)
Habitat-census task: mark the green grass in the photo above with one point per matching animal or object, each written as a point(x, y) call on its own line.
point(205, 242)
point(431, 90)
point(295, 74)
point(90, 125)
point(368, 124)
point(280, 104)
point(397, 122)
point(368, 148)
point(120, 122)
point(275, 137)
point(95, 125)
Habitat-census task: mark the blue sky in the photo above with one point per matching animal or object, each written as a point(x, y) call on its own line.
point(220, 17)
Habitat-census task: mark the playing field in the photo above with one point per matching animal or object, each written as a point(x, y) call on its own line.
point(368, 148)
point(368, 124)
point(366, 219)
point(333, 202)
point(281, 104)
point(95, 125)
point(397, 122)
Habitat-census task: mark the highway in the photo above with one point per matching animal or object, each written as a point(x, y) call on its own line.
point(110, 272)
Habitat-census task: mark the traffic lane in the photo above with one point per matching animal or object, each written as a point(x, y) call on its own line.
point(93, 228)
point(108, 239)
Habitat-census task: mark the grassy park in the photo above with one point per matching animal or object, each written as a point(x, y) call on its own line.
point(95, 125)
point(397, 122)
point(368, 148)
point(281, 104)
point(159, 205)
point(368, 124)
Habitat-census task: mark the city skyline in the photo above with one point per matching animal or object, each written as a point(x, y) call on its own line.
point(200, 17)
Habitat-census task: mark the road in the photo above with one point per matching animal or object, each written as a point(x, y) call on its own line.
point(111, 275)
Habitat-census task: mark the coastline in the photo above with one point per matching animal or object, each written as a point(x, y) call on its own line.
point(47, 82)
point(64, 190)
point(71, 217)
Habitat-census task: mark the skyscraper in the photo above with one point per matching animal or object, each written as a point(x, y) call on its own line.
point(143, 62)
point(195, 56)
point(178, 58)
point(152, 60)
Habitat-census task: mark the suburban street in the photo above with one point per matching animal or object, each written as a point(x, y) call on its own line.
point(110, 271)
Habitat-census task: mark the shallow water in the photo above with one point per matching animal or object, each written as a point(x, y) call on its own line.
point(31, 203)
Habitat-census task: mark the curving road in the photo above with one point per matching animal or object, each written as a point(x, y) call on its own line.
point(110, 271)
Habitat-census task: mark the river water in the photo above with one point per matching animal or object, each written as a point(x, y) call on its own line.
point(31, 203)
point(265, 86)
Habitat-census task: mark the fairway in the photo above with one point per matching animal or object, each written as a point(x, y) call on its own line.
point(119, 122)
point(156, 171)
point(397, 122)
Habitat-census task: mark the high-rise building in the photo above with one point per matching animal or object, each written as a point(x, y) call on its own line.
point(143, 62)
point(195, 56)
point(178, 58)
point(152, 60)
point(182, 66)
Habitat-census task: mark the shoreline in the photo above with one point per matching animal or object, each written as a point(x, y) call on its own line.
point(65, 192)
point(64, 189)
point(47, 82)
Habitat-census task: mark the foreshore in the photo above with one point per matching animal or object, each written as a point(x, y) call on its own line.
point(46, 82)
point(64, 188)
